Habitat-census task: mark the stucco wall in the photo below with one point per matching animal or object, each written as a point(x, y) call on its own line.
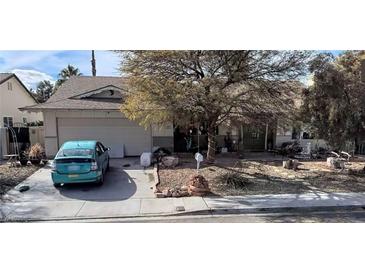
point(280, 139)
point(11, 100)
point(161, 136)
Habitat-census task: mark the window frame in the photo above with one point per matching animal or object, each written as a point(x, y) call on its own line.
point(10, 86)
point(7, 123)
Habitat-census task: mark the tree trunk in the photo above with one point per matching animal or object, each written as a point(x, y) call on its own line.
point(211, 145)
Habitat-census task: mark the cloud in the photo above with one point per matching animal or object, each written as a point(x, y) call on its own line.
point(52, 62)
point(31, 78)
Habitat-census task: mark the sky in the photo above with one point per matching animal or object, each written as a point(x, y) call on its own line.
point(34, 66)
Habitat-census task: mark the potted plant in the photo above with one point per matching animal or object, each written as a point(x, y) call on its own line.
point(23, 159)
point(36, 153)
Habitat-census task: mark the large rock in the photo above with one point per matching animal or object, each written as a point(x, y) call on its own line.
point(198, 186)
point(335, 163)
point(170, 161)
point(291, 164)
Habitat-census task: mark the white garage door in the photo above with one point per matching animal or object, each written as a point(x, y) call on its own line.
point(116, 133)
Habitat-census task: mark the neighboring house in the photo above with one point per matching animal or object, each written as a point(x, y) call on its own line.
point(13, 95)
point(87, 107)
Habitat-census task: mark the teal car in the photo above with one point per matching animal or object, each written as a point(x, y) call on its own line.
point(80, 162)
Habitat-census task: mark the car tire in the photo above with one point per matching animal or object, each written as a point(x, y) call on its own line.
point(57, 185)
point(101, 180)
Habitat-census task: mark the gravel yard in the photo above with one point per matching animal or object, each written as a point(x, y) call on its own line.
point(231, 176)
point(11, 176)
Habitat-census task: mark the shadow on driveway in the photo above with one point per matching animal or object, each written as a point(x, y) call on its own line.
point(118, 185)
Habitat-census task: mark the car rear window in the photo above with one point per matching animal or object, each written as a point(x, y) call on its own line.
point(75, 152)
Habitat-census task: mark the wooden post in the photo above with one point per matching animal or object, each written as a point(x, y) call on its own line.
point(266, 133)
point(93, 63)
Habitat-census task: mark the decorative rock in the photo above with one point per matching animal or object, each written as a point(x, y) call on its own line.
point(184, 188)
point(184, 193)
point(160, 195)
point(166, 192)
point(335, 163)
point(288, 164)
point(291, 164)
point(198, 186)
point(170, 161)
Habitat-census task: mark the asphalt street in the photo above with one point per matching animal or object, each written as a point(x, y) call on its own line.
point(338, 216)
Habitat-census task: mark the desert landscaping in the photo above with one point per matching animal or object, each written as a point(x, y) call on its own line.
point(232, 176)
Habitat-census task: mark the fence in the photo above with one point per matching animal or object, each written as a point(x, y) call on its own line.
point(26, 136)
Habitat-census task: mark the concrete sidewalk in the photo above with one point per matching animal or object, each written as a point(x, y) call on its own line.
point(138, 207)
point(284, 201)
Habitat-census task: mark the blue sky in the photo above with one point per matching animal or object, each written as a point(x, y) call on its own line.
point(34, 66)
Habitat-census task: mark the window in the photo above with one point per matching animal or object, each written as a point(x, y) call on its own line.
point(10, 86)
point(295, 133)
point(25, 120)
point(255, 135)
point(8, 121)
point(307, 135)
point(71, 152)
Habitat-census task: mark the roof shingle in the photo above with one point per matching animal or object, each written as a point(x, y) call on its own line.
point(77, 85)
point(5, 76)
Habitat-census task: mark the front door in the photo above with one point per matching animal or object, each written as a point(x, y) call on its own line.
point(254, 138)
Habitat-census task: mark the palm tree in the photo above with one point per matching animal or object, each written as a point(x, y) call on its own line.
point(44, 91)
point(66, 73)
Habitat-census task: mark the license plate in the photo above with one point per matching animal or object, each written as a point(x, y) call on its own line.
point(73, 175)
point(73, 168)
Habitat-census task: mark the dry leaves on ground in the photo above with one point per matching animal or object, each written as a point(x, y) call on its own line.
point(11, 176)
point(241, 177)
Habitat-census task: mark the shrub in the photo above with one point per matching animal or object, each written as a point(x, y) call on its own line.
point(36, 151)
point(235, 180)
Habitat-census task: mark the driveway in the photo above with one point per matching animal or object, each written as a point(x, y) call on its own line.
point(126, 184)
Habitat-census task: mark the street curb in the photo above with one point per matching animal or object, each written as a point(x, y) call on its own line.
point(222, 211)
point(230, 211)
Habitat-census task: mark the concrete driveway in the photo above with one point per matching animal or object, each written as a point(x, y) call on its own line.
point(126, 184)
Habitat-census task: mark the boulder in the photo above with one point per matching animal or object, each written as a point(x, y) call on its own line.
point(198, 186)
point(166, 192)
point(291, 164)
point(335, 163)
point(160, 195)
point(170, 161)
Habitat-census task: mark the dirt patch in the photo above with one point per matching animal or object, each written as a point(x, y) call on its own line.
point(250, 177)
point(11, 176)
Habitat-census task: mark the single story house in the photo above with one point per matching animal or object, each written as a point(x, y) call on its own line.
point(88, 107)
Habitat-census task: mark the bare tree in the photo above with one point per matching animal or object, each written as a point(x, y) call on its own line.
point(211, 86)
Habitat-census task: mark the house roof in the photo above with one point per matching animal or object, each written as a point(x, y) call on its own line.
point(64, 97)
point(6, 76)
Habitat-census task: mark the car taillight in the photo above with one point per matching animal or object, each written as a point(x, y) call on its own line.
point(94, 166)
point(54, 166)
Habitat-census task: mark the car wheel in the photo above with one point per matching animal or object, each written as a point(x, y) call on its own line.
point(101, 180)
point(57, 185)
